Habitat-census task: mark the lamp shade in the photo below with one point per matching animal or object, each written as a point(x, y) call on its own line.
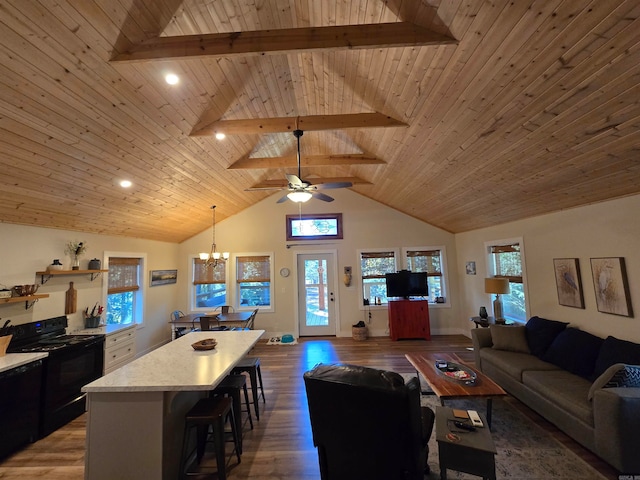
point(299, 196)
point(496, 285)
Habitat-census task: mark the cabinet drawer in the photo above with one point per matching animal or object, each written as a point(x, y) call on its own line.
point(116, 339)
point(119, 355)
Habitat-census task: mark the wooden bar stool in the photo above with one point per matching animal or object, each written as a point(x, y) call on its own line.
point(251, 365)
point(230, 387)
point(205, 414)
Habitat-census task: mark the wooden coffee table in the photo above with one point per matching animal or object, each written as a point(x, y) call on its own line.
point(446, 388)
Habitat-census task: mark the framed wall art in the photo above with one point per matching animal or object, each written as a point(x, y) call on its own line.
point(163, 277)
point(611, 286)
point(568, 282)
point(471, 268)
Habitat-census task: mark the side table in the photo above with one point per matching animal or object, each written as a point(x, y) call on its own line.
point(485, 322)
point(463, 451)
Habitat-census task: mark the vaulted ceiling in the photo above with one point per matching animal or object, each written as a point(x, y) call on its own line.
point(461, 113)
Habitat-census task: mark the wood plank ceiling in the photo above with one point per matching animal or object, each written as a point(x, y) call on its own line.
point(461, 113)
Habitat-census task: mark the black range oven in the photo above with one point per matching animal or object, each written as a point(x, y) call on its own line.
point(73, 361)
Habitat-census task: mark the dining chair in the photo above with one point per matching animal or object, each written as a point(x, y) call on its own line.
point(225, 309)
point(250, 322)
point(178, 331)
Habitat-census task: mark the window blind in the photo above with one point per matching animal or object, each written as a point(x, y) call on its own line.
point(425, 261)
point(123, 275)
point(253, 269)
point(203, 275)
point(377, 264)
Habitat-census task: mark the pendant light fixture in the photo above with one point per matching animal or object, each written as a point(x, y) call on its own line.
point(212, 258)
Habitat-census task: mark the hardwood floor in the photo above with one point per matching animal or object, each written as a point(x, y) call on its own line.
point(280, 446)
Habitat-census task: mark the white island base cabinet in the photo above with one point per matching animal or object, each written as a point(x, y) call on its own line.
point(135, 421)
point(135, 435)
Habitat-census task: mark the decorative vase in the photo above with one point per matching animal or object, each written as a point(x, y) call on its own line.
point(76, 263)
point(56, 265)
point(483, 313)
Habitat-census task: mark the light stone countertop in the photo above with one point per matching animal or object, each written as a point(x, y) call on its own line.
point(102, 330)
point(176, 366)
point(13, 360)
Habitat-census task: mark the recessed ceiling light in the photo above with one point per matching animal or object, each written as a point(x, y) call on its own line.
point(172, 78)
point(220, 136)
point(125, 183)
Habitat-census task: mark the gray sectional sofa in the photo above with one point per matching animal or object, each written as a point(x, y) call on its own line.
point(587, 386)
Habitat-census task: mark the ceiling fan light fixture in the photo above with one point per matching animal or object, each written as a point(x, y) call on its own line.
point(299, 197)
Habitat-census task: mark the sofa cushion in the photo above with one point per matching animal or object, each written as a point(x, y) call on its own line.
point(614, 351)
point(513, 363)
point(575, 351)
point(510, 338)
point(566, 391)
point(541, 333)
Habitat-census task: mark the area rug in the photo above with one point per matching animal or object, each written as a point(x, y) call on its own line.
point(525, 450)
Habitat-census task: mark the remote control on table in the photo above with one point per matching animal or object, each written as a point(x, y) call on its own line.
point(464, 426)
point(475, 418)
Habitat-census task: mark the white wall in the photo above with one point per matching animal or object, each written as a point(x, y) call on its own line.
point(608, 229)
point(605, 229)
point(26, 250)
point(367, 224)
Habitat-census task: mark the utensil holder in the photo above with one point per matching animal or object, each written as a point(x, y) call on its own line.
point(4, 344)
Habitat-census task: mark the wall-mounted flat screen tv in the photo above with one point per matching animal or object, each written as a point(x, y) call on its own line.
point(406, 284)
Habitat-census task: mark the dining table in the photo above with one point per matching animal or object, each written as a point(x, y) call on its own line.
point(135, 419)
point(191, 321)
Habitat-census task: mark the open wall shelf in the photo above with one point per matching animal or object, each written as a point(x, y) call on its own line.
point(45, 276)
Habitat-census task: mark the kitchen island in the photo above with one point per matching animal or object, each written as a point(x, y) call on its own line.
point(136, 414)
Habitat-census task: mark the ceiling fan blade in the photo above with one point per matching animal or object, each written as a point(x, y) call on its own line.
point(283, 199)
point(327, 186)
point(294, 181)
point(256, 189)
point(322, 196)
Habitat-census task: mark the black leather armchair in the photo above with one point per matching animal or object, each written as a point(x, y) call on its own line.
point(367, 424)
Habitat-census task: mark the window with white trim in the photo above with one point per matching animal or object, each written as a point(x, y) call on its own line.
point(373, 267)
point(430, 260)
point(253, 279)
point(506, 260)
point(209, 285)
point(124, 295)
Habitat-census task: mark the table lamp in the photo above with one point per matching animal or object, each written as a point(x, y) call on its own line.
point(497, 286)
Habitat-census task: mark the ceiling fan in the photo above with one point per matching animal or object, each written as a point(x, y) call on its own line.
point(301, 190)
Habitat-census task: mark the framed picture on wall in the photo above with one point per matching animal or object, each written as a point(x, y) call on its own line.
point(568, 282)
point(611, 286)
point(163, 277)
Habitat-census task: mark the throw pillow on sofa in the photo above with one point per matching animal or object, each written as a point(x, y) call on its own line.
point(511, 338)
point(541, 333)
point(575, 351)
point(618, 375)
point(614, 351)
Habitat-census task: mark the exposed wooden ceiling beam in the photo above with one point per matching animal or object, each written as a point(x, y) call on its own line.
point(275, 184)
point(309, 161)
point(280, 41)
point(289, 124)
